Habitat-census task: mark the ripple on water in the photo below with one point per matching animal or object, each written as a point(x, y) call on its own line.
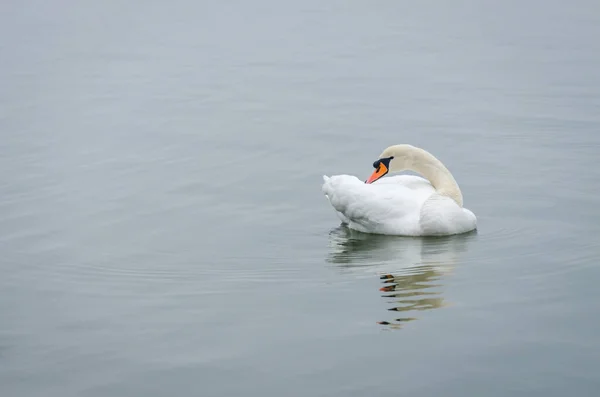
point(412, 270)
point(410, 291)
point(502, 234)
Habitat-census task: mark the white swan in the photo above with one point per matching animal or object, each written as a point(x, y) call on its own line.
point(404, 205)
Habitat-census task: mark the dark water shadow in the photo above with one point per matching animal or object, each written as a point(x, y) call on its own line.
point(412, 270)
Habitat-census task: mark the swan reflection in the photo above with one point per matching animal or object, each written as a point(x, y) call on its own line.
point(411, 270)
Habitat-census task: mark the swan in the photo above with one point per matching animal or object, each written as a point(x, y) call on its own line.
point(402, 205)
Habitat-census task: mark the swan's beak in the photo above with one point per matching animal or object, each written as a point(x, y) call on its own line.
point(378, 173)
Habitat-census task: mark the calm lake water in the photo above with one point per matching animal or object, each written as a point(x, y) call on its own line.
point(162, 225)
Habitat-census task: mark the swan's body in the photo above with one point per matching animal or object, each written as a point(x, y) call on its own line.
point(404, 205)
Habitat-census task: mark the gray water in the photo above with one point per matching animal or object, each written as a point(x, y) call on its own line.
point(163, 231)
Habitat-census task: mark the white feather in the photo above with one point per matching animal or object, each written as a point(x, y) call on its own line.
point(404, 205)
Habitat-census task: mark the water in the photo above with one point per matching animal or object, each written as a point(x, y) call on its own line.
point(163, 231)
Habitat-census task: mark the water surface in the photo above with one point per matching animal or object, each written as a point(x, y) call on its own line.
point(163, 229)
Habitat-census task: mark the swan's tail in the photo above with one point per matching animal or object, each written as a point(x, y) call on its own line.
point(326, 188)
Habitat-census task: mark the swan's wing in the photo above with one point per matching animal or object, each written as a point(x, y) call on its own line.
point(441, 215)
point(389, 206)
point(412, 182)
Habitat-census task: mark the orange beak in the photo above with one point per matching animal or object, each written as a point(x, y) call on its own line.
point(378, 173)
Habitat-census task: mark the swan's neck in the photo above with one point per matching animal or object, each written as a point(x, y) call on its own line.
point(407, 157)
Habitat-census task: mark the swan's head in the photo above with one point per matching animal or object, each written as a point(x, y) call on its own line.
point(382, 167)
point(393, 159)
